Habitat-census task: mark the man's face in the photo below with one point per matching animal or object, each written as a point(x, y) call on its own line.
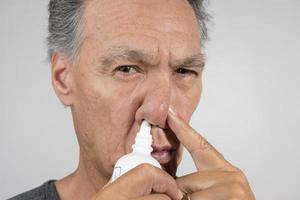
point(138, 59)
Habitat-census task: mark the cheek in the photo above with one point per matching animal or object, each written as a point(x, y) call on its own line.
point(186, 103)
point(91, 114)
point(105, 117)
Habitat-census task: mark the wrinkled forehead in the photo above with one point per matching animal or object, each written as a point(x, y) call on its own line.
point(164, 17)
point(150, 25)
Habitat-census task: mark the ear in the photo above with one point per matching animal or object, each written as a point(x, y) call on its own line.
point(61, 73)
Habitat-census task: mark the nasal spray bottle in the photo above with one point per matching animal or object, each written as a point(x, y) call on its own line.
point(141, 153)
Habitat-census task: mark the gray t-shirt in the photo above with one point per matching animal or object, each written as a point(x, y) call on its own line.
point(47, 191)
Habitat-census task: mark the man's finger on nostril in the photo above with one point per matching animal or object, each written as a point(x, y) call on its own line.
point(203, 153)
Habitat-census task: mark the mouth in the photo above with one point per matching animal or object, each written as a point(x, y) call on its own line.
point(163, 154)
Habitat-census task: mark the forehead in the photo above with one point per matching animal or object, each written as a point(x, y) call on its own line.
point(143, 24)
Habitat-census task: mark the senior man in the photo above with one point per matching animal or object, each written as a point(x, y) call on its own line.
point(115, 63)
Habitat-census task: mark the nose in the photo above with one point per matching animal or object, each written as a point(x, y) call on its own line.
point(156, 102)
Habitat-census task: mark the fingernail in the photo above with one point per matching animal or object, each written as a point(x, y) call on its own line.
point(180, 195)
point(172, 111)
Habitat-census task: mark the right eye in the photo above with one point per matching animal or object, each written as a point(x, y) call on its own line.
point(127, 69)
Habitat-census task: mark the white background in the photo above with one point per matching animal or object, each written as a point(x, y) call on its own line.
point(250, 108)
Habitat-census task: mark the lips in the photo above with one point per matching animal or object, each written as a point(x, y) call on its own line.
point(162, 157)
point(162, 154)
point(164, 144)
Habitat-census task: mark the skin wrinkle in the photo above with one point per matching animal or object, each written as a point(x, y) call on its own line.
point(125, 101)
point(117, 50)
point(134, 9)
point(108, 107)
point(132, 101)
point(124, 53)
point(64, 12)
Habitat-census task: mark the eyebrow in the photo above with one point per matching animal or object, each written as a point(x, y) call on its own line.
point(121, 53)
point(194, 61)
point(124, 53)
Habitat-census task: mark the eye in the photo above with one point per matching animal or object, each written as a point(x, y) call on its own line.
point(185, 71)
point(128, 69)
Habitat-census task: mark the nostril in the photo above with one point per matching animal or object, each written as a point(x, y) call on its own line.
point(158, 125)
point(161, 126)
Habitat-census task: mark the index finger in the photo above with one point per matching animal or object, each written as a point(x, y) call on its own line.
point(204, 155)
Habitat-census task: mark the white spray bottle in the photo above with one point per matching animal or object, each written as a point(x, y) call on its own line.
point(141, 153)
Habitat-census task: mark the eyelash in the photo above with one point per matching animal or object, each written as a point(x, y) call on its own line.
point(186, 71)
point(119, 68)
point(182, 70)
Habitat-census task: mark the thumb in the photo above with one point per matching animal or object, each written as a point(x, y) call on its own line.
point(141, 181)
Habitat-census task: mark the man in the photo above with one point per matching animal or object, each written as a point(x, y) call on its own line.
point(115, 63)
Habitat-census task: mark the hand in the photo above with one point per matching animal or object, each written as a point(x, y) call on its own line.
point(216, 178)
point(144, 182)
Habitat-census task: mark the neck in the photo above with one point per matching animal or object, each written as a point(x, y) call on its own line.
point(84, 183)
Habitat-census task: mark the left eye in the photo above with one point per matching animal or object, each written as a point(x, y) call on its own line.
point(185, 71)
point(129, 69)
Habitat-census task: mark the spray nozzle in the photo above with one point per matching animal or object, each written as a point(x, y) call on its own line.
point(144, 138)
point(145, 128)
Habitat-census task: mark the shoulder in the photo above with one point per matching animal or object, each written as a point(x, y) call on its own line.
point(46, 191)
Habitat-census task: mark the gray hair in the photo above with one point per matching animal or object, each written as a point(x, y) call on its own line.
point(66, 30)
